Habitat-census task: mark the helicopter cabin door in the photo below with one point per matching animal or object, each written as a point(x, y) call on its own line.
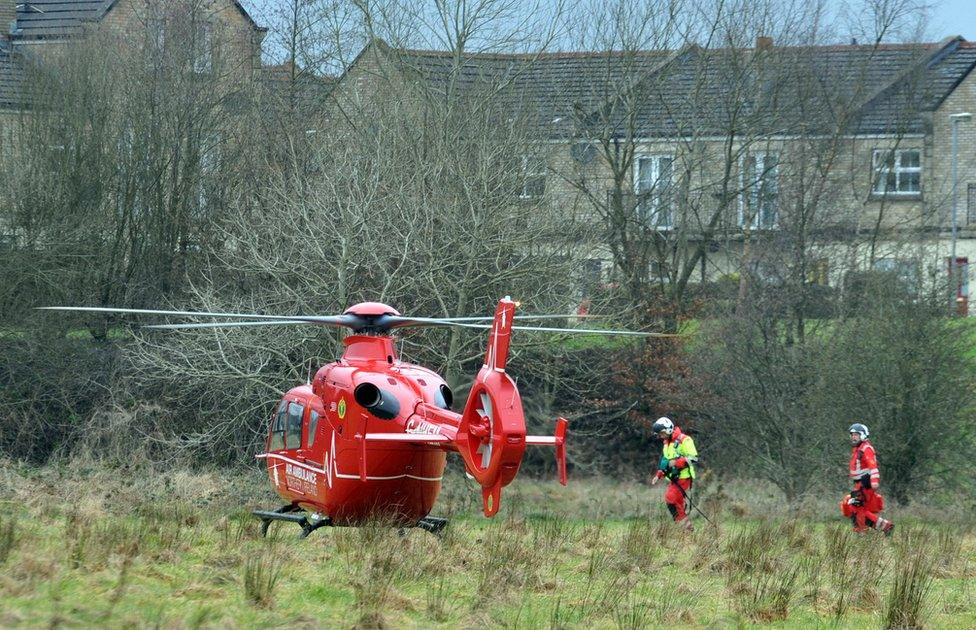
point(289, 440)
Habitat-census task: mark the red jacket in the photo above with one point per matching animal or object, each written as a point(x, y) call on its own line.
point(864, 462)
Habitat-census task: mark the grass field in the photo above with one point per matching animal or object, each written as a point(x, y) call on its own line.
point(86, 546)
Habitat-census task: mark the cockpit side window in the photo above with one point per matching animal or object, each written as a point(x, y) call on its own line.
point(293, 433)
point(277, 441)
point(313, 426)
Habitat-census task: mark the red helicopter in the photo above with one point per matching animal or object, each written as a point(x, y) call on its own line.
point(369, 436)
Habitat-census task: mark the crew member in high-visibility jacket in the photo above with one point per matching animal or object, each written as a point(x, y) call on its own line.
point(677, 464)
point(863, 505)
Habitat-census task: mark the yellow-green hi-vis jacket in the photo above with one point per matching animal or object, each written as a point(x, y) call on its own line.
point(681, 446)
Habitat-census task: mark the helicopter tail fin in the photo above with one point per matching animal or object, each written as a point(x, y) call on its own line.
point(496, 355)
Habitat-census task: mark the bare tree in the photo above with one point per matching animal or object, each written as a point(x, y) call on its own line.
point(413, 198)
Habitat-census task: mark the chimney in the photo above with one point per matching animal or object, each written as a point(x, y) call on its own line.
point(764, 43)
point(8, 17)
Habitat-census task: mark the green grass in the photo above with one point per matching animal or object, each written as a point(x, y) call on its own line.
point(179, 549)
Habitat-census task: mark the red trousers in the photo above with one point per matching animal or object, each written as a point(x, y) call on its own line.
point(675, 500)
point(867, 513)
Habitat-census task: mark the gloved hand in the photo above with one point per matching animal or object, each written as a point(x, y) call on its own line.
point(854, 500)
point(678, 463)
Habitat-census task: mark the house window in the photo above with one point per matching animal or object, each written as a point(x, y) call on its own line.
point(591, 276)
point(766, 273)
point(533, 177)
point(660, 271)
point(897, 172)
point(655, 190)
point(819, 272)
point(759, 202)
point(203, 48)
point(905, 270)
point(293, 434)
point(209, 167)
point(971, 204)
point(156, 33)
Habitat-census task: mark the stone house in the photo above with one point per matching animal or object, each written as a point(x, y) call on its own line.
point(723, 153)
point(221, 29)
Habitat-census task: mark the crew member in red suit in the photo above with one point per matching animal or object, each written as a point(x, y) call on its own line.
point(863, 506)
point(677, 464)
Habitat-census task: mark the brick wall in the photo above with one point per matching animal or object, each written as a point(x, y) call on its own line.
point(8, 13)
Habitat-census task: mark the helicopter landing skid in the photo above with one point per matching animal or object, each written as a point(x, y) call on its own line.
point(432, 524)
point(294, 514)
point(288, 513)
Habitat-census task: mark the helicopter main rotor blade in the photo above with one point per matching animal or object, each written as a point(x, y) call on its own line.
point(577, 331)
point(596, 331)
point(488, 319)
point(397, 321)
point(221, 325)
point(333, 320)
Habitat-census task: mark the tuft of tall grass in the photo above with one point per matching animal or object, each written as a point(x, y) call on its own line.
point(905, 604)
point(261, 574)
point(122, 583)
point(748, 549)
point(508, 559)
point(768, 596)
point(375, 557)
point(855, 566)
point(551, 534)
point(642, 543)
point(947, 552)
point(635, 614)
point(8, 538)
point(440, 601)
point(762, 570)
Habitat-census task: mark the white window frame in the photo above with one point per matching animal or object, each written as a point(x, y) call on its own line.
point(906, 270)
point(648, 202)
point(156, 34)
point(880, 172)
point(752, 191)
point(971, 204)
point(528, 176)
point(203, 47)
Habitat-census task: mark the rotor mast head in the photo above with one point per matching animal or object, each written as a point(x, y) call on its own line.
point(370, 318)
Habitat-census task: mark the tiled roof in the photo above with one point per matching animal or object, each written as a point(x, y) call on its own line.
point(57, 19)
point(11, 78)
point(307, 92)
point(46, 19)
point(548, 89)
point(864, 89)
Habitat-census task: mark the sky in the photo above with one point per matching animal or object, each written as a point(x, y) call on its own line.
point(955, 17)
point(946, 17)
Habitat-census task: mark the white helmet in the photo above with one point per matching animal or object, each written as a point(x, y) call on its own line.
point(860, 429)
point(663, 424)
